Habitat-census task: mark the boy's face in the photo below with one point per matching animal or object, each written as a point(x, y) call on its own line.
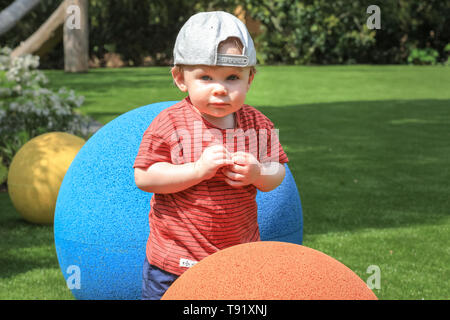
point(215, 91)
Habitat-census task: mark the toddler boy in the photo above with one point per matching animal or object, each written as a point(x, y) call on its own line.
point(205, 157)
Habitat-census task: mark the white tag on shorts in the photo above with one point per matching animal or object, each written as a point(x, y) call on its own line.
point(187, 263)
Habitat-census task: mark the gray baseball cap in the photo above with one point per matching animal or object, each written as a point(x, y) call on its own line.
point(199, 38)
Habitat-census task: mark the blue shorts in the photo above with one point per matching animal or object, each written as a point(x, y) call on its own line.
point(155, 281)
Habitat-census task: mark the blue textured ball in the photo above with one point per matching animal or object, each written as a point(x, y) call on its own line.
point(101, 217)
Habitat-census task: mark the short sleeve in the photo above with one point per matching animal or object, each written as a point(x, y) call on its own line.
point(270, 149)
point(153, 148)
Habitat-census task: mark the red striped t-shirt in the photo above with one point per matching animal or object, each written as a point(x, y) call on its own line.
point(189, 225)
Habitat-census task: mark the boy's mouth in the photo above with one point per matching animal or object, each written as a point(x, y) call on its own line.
point(219, 104)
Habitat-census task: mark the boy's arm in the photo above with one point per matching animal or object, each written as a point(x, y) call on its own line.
point(271, 176)
point(164, 177)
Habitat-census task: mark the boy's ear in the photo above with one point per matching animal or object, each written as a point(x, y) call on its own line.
point(178, 79)
point(250, 79)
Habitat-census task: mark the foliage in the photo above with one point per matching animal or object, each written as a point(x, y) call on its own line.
point(293, 31)
point(423, 56)
point(28, 25)
point(447, 51)
point(312, 32)
point(3, 172)
point(137, 29)
point(28, 108)
point(324, 32)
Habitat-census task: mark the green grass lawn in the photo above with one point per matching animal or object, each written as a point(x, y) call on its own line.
point(369, 147)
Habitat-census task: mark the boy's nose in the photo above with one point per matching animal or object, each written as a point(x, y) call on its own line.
point(219, 89)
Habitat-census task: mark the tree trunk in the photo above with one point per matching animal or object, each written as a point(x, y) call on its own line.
point(45, 37)
point(14, 12)
point(76, 36)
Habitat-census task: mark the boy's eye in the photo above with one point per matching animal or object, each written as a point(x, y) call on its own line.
point(233, 77)
point(205, 77)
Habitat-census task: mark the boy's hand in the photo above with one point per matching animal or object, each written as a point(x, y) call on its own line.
point(212, 158)
point(245, 170)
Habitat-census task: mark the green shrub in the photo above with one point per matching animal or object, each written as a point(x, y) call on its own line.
point(447, 54)
point(3, 172)
point(28, 109)
point(427, 56)
point(335, 32)
point(294, 31)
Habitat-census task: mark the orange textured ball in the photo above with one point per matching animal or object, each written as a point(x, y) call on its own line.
point(269, 270)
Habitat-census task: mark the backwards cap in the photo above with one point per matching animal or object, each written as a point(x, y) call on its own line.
point(198, 41)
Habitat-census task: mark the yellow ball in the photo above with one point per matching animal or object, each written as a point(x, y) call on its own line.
point(36, 174)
